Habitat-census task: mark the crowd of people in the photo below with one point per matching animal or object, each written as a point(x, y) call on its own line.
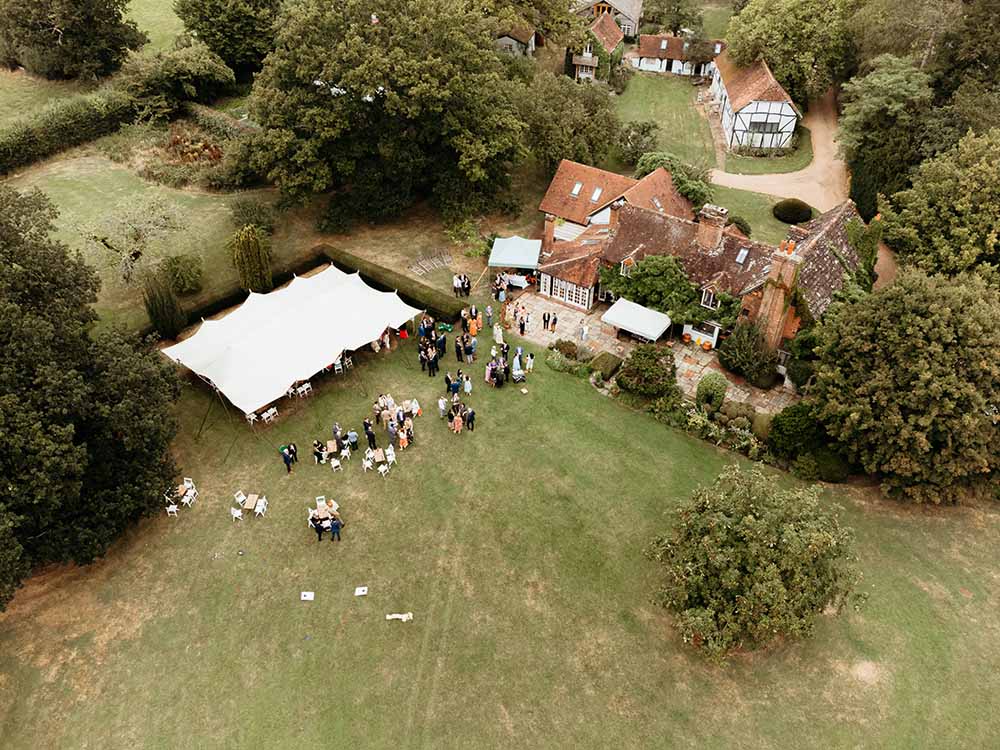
point(327, 519)
point(461, 285)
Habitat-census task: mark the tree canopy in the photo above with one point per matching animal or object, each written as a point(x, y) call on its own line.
point(747, 562)
point(949, 220)
point(241, 32)
point(674, 15)
point(85, 421)
point(406, 103)
point(806, 43)
point(67, 38)
point(908, 383)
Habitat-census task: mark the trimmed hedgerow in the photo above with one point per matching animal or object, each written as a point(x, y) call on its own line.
point(606, 364)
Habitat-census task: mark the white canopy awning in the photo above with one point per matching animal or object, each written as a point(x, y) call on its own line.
point(271, 341)
point(515, 252)
point(637, 319)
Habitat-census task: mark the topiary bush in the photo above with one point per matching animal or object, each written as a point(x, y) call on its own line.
point(745, 353)
point(649, 371)
point(251, 257)
point(792, 211)
point(606, 364)
point(832, 467)
point(711, 392)
point(185, 273)
point(795, 430)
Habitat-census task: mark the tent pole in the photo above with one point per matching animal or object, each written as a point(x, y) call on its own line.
point(203, 419)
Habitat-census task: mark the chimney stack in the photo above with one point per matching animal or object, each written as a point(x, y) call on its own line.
point(774, 305)
point(550, 232)
point(711, 223)
point(613, 215)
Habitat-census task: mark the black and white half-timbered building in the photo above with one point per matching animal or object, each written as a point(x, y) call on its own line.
point(756, 112)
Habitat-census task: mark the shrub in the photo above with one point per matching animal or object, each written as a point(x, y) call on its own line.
point(606, 364)
point(619, 77)
point(832, 467)
point(671, 409)
point(159, 84)
point(806, 468)
point(252, 259)
point(711, 391)
point(737, 571)
point(760, 425)
point(746, 353)
point(795, 430)
point(247, 210)
point(636, 139)
point(420, 295)
point(561, 363)
point(649, 371)
point(737, 409)
point(799, 371)
point(185, 273)
point(792, 211)
point(742, 224)
point(162, 306)
point(692, 181)
point(338, 218)
point(565, 347)
point(218, 124)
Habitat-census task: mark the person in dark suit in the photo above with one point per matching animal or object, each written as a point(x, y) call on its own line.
point(432, 362)
point(317, 525)
point(470, 420)
point(458, 348)
point(335, 526)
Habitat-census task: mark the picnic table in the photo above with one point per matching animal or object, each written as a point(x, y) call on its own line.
point(250, 503)
point(181, 490)
point(320, 505)
point(379, 456)
point(331, 446)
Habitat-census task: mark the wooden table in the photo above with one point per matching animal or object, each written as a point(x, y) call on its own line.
point(181, 490)
point(331, 447)
point(379, 456)
point(250, 503)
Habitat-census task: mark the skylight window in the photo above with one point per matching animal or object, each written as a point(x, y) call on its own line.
point(656, 202)
point(596, 194)
point(576, 189)
point(663, 44)
point(741, 257)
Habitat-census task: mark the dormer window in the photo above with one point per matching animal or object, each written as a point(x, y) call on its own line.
point(663, 44)
point(596, 195)
point(575, 192)
point(718, 48)
point(708, 299)
point(656, 202)
point(587, 50)
point(626, 268)
point(741, 256)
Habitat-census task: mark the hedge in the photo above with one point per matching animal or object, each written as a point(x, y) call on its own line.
point(792, 211)
point(62, 125)
point(607, 364)
point(411, 291)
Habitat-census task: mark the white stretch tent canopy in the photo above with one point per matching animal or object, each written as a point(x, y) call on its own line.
point(271, 341)
point(515, 252)
point(637, 319)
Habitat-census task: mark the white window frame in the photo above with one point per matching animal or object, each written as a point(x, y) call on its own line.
point(709, 300)
point(577, 187)
point(596, 195)
point(626, 267)
point(627, 29)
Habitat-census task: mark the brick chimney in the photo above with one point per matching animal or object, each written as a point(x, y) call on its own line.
point(613, 216)
point(711, 222)
point(550, 232)
point(775, 304)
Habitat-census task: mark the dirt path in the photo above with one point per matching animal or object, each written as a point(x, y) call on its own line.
point(823, 184)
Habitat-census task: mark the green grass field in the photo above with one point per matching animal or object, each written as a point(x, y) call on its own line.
point(755, 208)
point(715, 17)
point(518, 550)
point(669, 101)
point(158, 20)
point(22, 94)
point(792, 162)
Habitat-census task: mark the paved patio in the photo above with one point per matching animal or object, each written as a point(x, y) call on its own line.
point(693, 363)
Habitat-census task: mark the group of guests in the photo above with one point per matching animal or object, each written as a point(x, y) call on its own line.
point(395, 419)
point(327, 519)
point(498, 288)
point(461, 285)
point(459, 415)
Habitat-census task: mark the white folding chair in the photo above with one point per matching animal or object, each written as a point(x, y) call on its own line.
point(369, 453)
point(346, 453)
point(349, 362)
point(270, 415)
point(338, 368)
point(261, 507)
point(384, 470)
point(240, 498)
point(321, 501)
point(189, 497)
point(251, 418)
point(171, 510)
point(367, 464)
point(189, 483)
point(305, 389)
point(335, 465)
point(390, 455)
point(236, 513)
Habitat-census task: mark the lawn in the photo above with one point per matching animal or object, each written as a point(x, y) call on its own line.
point(792, 162)
point(22, 94)
point(715, 17)
point(669, 101)
point(158, 20)
point(755, 208)
point(518, 550)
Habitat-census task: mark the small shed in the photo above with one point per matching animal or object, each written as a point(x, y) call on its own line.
point(515, 252)
point(636, 319)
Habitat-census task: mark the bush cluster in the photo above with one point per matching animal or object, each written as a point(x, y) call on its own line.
point(798, 437)
point(248, 210)
point(711, 392)
point(649, 371)
point(185, 273)
point(792, 211)
point(561, 363)
point(606, 365)
point(745, 352)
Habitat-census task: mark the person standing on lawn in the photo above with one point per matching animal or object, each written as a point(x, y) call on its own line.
point(335, 526)
point(287, 458)
point(432, 362)
point(293, 451)
point(470, 419)
point(459, 349)
point(489, 316)
point(442, 406)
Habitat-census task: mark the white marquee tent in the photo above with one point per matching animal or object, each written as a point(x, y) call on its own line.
point(515, 252)
point(649, 324)
point(271, 341)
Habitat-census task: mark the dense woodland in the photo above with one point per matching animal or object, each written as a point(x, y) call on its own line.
point(376, 112)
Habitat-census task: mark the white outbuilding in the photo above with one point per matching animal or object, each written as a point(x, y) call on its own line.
point(756, 112)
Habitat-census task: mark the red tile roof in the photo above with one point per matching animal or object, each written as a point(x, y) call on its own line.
point(751, 84)
point(578, 262)
point(608, 33)
point(520, 33)
point(656, 192)
point(560, 201)
point(651, 45)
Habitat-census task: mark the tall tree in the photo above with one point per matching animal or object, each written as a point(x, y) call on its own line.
point(566, 120)
point(969, 49)
point(949, 220)
point(394, 105)
point(807, 43)
point(880, 130)
point(241, 32)
point(85, 422)
point(128, 230)
point(252, 258)
point(916, 27)
point(746, 562)
point(68, 38)
point(674, 15)
point(909, 380)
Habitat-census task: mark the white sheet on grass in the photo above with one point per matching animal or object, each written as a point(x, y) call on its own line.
point(515, 252)
point(274, 340)
point(637, 319)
